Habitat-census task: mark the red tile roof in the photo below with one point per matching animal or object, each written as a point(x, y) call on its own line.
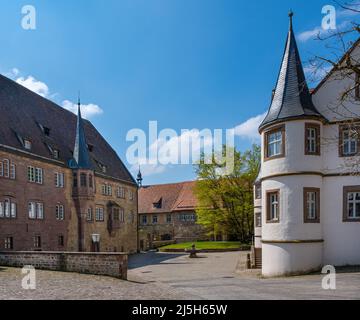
point(175, 197)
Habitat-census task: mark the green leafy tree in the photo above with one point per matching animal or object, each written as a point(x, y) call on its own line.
point(226, 200)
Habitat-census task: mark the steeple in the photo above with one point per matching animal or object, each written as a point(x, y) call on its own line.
point(139, 178)
point(81, 153)
point(291, 98)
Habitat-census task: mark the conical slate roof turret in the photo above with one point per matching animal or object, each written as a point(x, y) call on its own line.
point(291, 97)
point(81, 152)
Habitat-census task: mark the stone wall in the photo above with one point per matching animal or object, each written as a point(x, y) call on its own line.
point(108, 264)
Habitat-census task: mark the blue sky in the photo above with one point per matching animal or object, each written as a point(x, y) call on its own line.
point(184, 63)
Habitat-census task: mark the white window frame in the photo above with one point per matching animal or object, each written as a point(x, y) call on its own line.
point(311, 204)
point(89, 215)
point(354, 215)
point(27, 144)
point(59, 180)
point(312, 139)
point(60, 212)
point(99, 214)
point(275, 143)
point(349, 142)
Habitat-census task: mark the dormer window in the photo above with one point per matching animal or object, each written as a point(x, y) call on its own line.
point(27, 144)
point(56, 153)
point(157, 204)
point(46, 131)
point(275, 143)
point(103, 168)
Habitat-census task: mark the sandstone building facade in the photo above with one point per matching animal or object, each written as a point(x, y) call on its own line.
point(62, 187)
point(167, 212)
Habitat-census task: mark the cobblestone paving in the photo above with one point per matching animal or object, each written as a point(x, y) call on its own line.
point(163, 276)
point(69, 286)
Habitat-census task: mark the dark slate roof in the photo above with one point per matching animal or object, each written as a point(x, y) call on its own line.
point(81, 151)
point(24, 115)
point(292, 97)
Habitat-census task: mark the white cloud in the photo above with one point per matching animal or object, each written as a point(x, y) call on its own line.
point(32, 84)
point(319, 31)
point(149, 169)
point(87, 110)
point(42, 89)
point(310, 34)
point(250, 128)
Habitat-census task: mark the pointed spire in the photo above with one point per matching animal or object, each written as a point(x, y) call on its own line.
point(291, 15)
point(291, 97)
point(139, 178)
point(81, 153)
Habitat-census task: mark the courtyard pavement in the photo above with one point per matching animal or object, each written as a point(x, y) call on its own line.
point(164, 276)
point(214, 276)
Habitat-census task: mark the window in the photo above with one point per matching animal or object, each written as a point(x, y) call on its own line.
point(56, 153)
point(9, 243)
point(348, 143)
point(8, 209)
point(59, 210)
point(258, 220)
point(46, 131)
point(120, 192)
point(37, 242)
point(75, 180)
point(258, 191)
point(89, 215)
point(83, 179)
point(7, 169)
point(106, 190)
point(275, 143)
point(116, 214)
point(311, 205)
point(119, 214)
point(12, 172)
point(60, 240)
point(273, 207)
point(351, 204)
point(99, 214)
point(27, 144)
point(144, 219)
point(357, 86)
point(157, 204)
point(168, 218)
point(59, 180)
point(312, 139)
point(122, 215)
point(36, 210)
point(90, 181)
point(187, 217)
point(155, 219)
point(35, 175)
point(131, 195)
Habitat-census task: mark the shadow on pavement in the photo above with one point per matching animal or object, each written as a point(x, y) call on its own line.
point(151, 258)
